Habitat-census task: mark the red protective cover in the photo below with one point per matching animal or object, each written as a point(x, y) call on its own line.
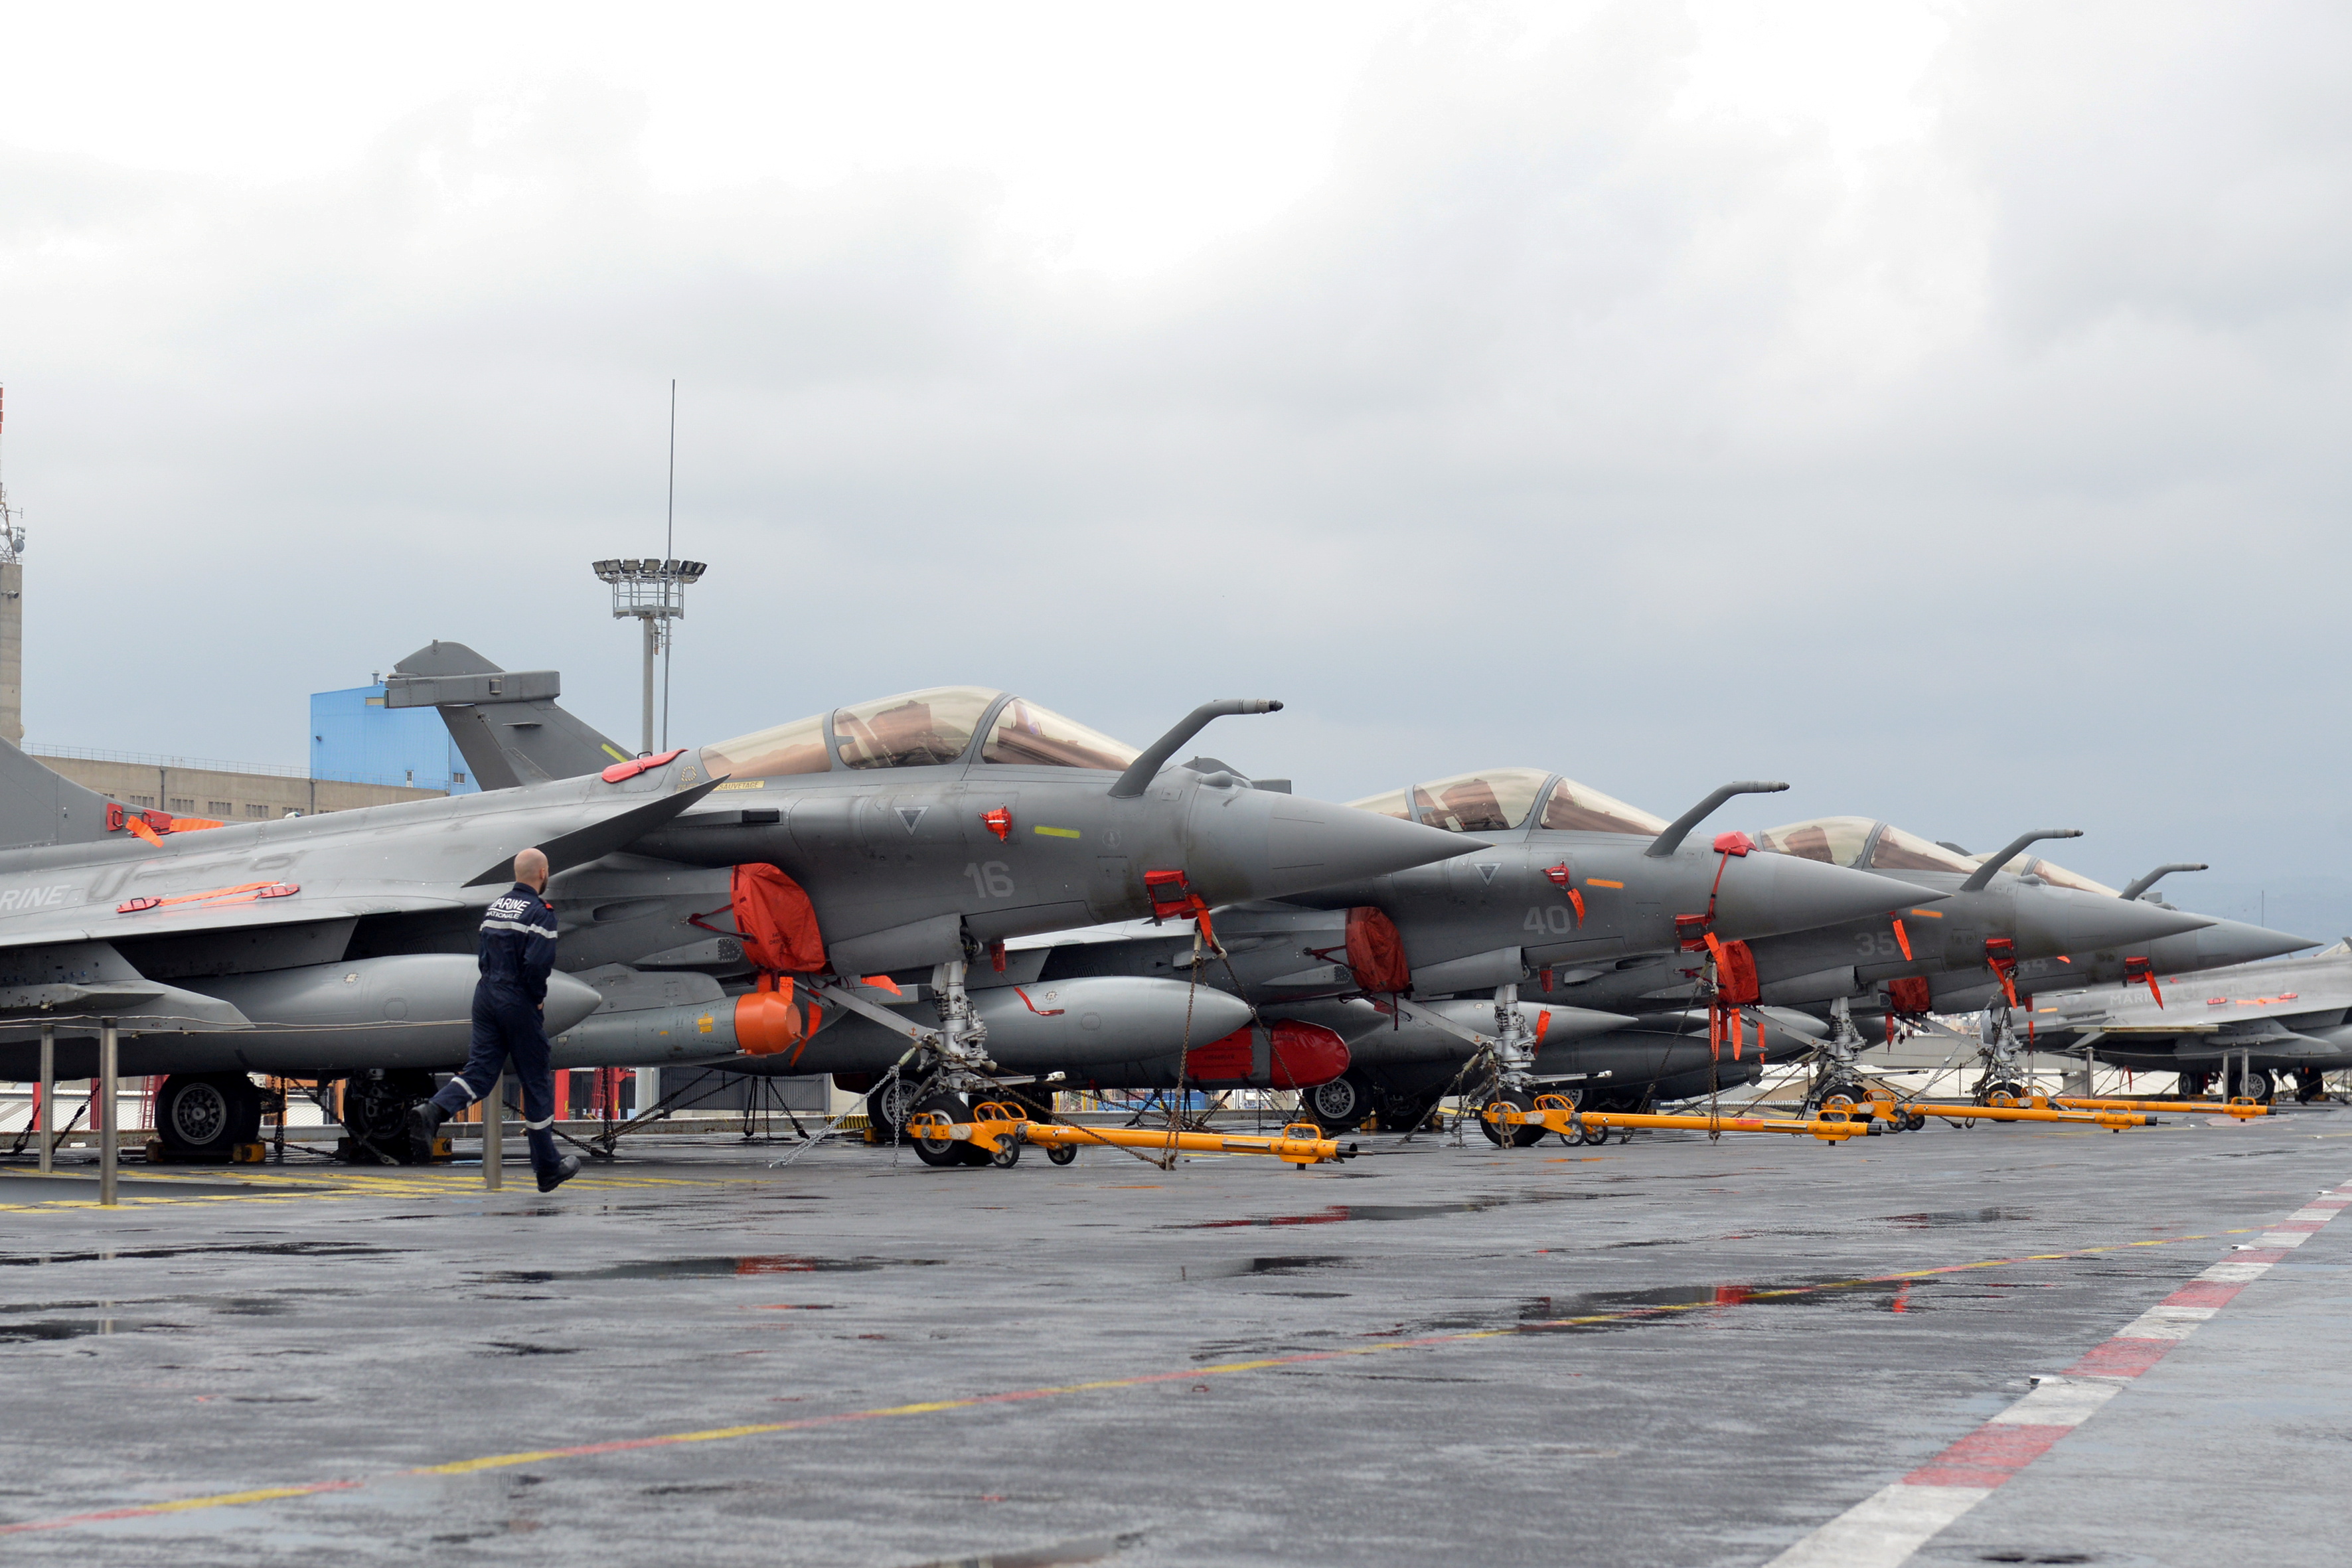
point(1299, 1055)
point(1376, 952)
point(776, 921)
point(1735, 975)
point(1910, 994)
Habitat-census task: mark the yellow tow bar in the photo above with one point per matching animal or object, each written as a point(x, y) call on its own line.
point(1554, 1113)
point(1003, 1129)
point(2113, 1120)
point(2241, 1108)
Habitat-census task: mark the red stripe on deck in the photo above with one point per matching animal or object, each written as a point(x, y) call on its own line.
point(2122, 1358)
point(1987, 1456)
point(2203, 1293)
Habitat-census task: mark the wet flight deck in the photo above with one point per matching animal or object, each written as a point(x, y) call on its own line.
point(1666, 1351)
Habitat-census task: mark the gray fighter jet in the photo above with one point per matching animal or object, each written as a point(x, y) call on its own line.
point(1639, 990)
point(2243, 1023)
point(919, 831)
point(1565, 885)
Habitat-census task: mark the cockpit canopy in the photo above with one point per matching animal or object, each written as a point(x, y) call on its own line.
point(918, 729)
point(2055, 875)
point(1862, 844)
point(1501, 799)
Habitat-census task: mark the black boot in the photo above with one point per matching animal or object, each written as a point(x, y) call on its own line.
point(566, 1169)
point(424, 1129)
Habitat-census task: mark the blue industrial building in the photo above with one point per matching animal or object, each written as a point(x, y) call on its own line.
point(355, 738)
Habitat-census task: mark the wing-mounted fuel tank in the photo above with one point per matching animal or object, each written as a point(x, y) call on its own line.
point(410, 1010)
point(1041, 1027)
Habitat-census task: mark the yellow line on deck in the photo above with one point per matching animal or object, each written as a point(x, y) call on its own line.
point(1057, 1391)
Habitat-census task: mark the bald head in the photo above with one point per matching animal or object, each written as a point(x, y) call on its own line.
point(530, 870)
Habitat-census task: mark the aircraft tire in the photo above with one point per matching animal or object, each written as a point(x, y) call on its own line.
point(944, 1152)
point(1913, 1121)
point(887, 1106)
point(1006, 1155)
point(1518, 1137)
point(375, 1114)
point(1340, 1105)
point(207, 1114)
point(2257, 1083)
point(2193, 1085)
point(1593, 1137)
point(2005, 1093)
point(1063, 1153)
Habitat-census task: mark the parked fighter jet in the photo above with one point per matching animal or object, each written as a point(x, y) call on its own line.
point(2243, 1023)
point(914, 832)
point(1566, 884)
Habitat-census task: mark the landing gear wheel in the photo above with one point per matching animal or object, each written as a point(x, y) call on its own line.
point(887, 1106)
point(1063, 1153)
point(207, 1114)
point(1406, 1112)
point(376, 1113)
point(2193, 1085)
point(944, 1152)
point(2257, 1085)
point(1006, 1155)
point(1517, 1137)
point(1841, 1104)
point(1339, 1106)
point(2005, 1093)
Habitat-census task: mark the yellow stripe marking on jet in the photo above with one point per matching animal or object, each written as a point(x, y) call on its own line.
point(1057, 831)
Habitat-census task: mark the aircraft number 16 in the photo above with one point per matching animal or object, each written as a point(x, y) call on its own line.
point(990, 880)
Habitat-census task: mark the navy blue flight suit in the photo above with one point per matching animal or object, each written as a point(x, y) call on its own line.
point(516, 948)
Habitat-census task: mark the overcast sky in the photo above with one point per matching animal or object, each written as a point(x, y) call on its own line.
point(1941, 407)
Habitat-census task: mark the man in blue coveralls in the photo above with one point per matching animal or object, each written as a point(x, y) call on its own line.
point(516, 948)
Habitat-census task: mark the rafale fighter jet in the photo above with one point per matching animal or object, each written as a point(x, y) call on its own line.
point(1931, 911)
point(2243, 1023)
point(1565, 883)
point(916, 831)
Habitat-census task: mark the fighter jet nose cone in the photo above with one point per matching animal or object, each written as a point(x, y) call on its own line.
point(2052, 921)
point(1255, 843)
point(1761, 895)
point(2235, 941)
point(569, 1001)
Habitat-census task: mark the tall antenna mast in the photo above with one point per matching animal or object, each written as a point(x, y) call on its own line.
point(669, 550)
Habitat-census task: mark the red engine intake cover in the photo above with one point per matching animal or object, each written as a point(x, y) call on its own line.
point(1297, 1056)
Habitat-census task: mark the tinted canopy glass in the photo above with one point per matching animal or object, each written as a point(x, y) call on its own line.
point(1396, 804)
point(2056, 876)
point(1573, 808)
point(918, 730)
point(1899, 852)
point(795, 748)
point(1039, 738)
point(1839, 840)
point(1490, 802)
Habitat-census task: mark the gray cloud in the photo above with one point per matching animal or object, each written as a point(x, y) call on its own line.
point(1989, 477)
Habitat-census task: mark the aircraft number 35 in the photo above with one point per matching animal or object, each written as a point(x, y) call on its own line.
point(1875, 945)
point(992, 880)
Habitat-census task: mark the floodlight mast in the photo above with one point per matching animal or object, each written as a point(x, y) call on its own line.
point(655, 593)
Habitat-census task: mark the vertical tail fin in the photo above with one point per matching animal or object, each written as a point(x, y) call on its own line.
point(37, 807)
point(506, 724)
